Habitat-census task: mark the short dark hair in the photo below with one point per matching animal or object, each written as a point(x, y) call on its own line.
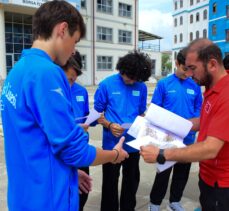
point(135, 65)
point(75, 61)
point(51, 13)
point(206, 50)
point(210, 52)
point(226, 62)
point(181, 56)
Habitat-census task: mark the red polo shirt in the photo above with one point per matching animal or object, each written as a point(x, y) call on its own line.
point(214, 122)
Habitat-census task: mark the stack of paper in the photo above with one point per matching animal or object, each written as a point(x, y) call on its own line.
point(161, 128)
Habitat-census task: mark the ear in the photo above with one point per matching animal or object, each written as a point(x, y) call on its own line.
point(176, 63)
point(212, 65)
point(62, 29)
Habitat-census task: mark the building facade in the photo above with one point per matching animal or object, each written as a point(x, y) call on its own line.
point(190, 19)
point(112, 31)
point(219, 24)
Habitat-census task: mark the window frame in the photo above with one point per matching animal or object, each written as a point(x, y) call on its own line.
point(123, 10)
point(124, 37)
point(214, 29)
point(104, 66)
point(103, 35)
point(104, 7)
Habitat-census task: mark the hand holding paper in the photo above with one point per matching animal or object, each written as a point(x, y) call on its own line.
point(160, 128)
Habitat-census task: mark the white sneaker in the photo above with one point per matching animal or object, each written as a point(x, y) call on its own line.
point(175, 206)
point(153, 207)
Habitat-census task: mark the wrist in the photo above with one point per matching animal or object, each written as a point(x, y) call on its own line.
point(109, 125)
point(117, 155)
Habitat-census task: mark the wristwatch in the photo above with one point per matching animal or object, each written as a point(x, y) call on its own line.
point(161, 157)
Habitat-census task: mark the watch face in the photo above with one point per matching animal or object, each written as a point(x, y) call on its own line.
point(160, 157)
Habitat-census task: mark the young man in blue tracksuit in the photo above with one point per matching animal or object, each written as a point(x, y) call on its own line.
point(122, 97)
point(80, 105)
point(43, 145)
point(180, 95)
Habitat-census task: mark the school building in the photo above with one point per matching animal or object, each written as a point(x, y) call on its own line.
point(112, 31)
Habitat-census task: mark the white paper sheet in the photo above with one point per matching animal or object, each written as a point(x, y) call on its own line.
point(161, 128)
point(79, 118)
point(126, 125)
point(167, 120)
point(147, 140)
point(93, 116)
point(136, 126)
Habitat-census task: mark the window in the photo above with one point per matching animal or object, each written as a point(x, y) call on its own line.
point(181, 37)
point(104, 63)
point(227, 35)
point(214, 29)
point(205, 33)
point(191, 18)
point(124, 36)
point(181, 3)
point(175, 22)
point(83, 4)
point(197, 34)
point(181, 20)
point(175, 39)
point(197, 17)
point(214, 8)
point(104, 34)
point(227, 11)
point(175, 5)
point(191, 36)
point(191, 2)
point(205, 14)
point(18, 35)
point(104, 6)
point(84, 62)
point(125, 10)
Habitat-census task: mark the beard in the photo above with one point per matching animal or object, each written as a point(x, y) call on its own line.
point(205, 80)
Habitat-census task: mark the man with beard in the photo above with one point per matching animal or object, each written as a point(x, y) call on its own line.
point(179, 94)
point(204, 63)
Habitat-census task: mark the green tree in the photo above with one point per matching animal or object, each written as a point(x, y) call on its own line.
point(166, 64)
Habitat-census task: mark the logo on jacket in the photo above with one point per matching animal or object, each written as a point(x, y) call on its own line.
point(136, 93)
point(116, 93)
point(58, 90)
point(9, 94)
point(190, 91)
point(80, 98)
point(207, 107)
point(172, 91)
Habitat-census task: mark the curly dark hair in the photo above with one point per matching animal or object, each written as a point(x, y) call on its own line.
point(51, 13)
point(75, 61)
point(135, 65)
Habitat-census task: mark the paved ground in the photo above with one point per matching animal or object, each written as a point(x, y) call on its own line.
point(189, 200)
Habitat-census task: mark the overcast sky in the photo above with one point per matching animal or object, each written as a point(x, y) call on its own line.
point(155, 16)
